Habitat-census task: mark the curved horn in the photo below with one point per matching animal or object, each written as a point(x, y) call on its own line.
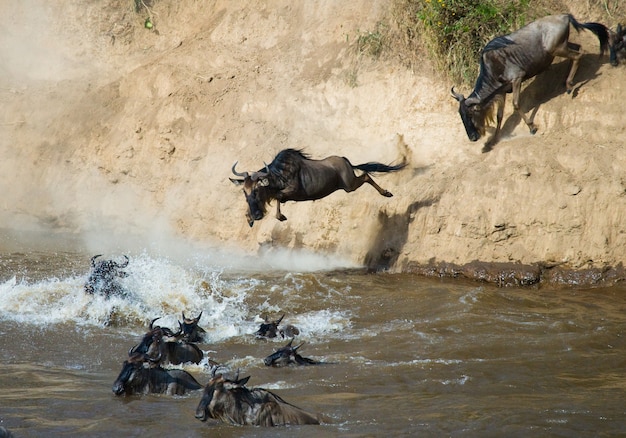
point(280, 319)
point(152, 322)
point(457, 96)
point(93, 260)
point(243, 175)
point(124, 264)
point(298, 346)
point(197, 318)
point(267, 168)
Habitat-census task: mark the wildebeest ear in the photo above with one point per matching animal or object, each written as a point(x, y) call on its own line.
point(236, 181)
point(263, 182)
point(242, 382)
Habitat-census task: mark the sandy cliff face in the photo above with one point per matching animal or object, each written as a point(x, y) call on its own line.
point(115, 127)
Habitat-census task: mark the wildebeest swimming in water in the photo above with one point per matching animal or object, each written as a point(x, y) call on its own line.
point(190, 331)
point(231, 402)
point(269, 329)
point(136, 378)
point(293, 176)
point(161, 342)
point(507, 61)
point(288, 355)
point(103, 277)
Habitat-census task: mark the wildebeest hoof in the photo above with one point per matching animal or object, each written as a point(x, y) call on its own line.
point(533, 130)
point(387, 194)
point(281, 217)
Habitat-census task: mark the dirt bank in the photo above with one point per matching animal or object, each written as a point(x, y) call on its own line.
point(110, 126)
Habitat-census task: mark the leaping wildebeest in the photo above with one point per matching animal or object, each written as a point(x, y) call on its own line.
point(507, 61)
point(103, 277)
point(231, 402)
point(294, 176)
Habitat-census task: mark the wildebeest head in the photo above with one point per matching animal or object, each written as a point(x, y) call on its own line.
point(147, 339)
point(288, 355)
point(217, 386)
point(472, 115)
point(617, 44)
point(190, 331)
point(130, 370)
point(269, 329)
point(230, 401)
point(102, 276)
point(255, 189)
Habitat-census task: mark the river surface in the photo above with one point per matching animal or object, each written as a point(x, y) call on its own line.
point(406, 356)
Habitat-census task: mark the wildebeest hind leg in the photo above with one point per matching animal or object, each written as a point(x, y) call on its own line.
point(366, 178)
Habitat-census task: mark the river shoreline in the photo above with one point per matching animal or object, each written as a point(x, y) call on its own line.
point(517, 274)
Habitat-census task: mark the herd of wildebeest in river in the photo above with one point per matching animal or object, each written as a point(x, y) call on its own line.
point(224, 398)
point(505, 63)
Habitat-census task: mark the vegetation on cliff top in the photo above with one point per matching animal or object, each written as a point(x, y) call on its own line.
point(451, 33)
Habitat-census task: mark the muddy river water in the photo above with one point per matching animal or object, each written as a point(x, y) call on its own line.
point(406, 356)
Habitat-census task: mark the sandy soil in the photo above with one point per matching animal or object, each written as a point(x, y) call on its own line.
point(110, 126)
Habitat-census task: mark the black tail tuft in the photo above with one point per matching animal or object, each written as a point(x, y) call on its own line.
point(373, 167)
point(600, 30)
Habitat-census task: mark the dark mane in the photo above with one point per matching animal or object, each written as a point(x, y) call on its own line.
point(498, 43)
point(286, 165)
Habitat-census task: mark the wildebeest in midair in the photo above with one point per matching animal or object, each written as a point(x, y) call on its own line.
point(137, 378)
point(288, 355)
point(294, 176)
point(103, 277)
point(507, 61)
point(231, 402)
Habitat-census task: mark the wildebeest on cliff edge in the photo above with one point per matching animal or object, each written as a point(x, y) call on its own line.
point(294, 176)
point(507, 61)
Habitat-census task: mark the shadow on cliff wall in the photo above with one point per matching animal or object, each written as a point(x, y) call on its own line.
point(551, 84)
point(392, 235)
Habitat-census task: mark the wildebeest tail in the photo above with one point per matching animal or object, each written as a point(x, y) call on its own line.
point(601, 31)
point(373, 167)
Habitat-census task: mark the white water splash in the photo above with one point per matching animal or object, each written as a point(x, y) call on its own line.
point(161, 288)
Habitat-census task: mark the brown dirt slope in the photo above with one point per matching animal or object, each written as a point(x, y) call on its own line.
point(111, 126)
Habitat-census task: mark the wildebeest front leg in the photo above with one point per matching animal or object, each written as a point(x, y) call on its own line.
point(517, 86)
point(499, 101)
point(281, 217)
